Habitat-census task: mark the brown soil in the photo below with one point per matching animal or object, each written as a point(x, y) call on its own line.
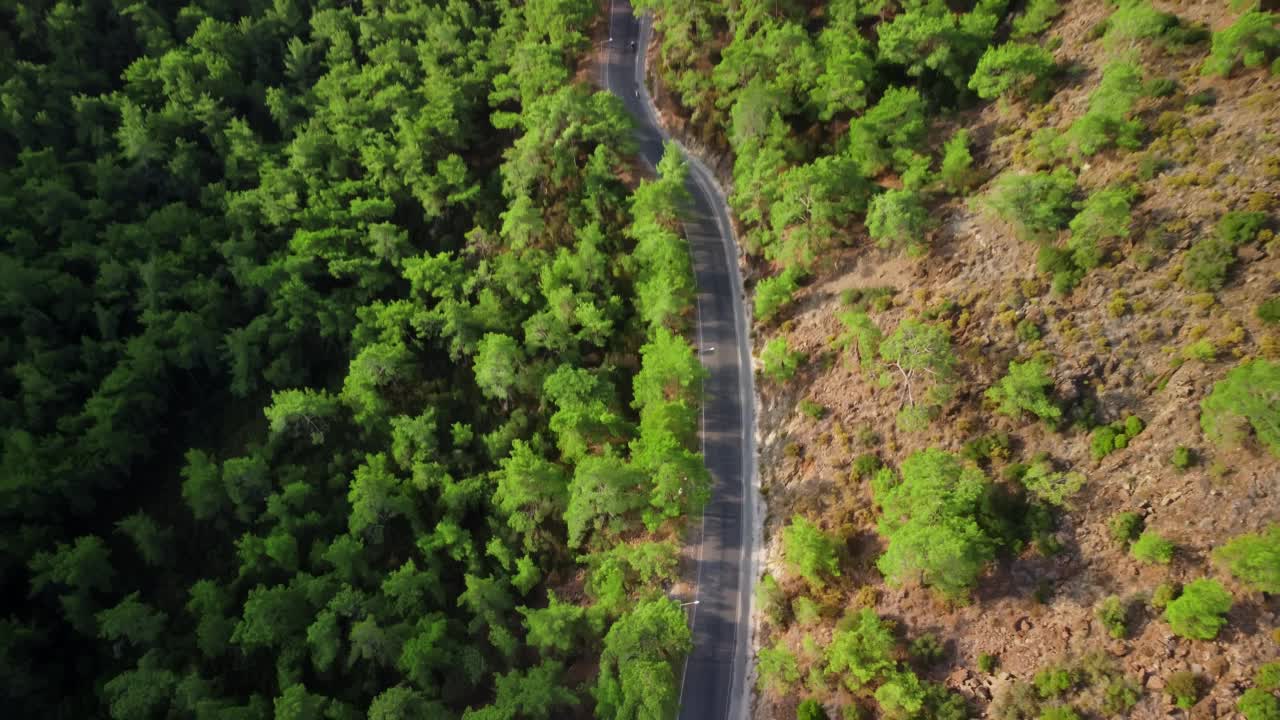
point(1115, 337)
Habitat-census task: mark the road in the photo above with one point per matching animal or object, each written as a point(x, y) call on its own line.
point(713, 683)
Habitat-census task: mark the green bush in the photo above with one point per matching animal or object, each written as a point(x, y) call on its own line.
point(771, 599)
point(1205, 266)
point(810, 710)
point(1151, 548)
point(774, 293)
point(778, 361)
point(806, 611)
point(1059, 712)
point(1207, 263)
point(1183, 688)
point(1054, 681)
point(1026, 331)
point(1164, 594)
point(866, 465)
point(1023, 389)
point(1107, 122)
point(1198, 612)
point(1254, 559)
point(1116, 436)
point(1011, 69)
point(776, 668)
point(926, 649)
point(1125, 526)
point(898, 218)
point(1113, 615)
point(1034, 203)
point(1137, 20)
point(1269, 311)
point(815, 411)
point(1183, 457)
point(1257, 704)
point(861, 649)
point(809, 552)
point(993, 446)
point(1267, 677)
point(1250, 40)
point(1051, 486)
point(957, 172)
point(1120, 695)
point(1104, 216)
point(1249, 396)
point(987, 663)
point(1036, 18)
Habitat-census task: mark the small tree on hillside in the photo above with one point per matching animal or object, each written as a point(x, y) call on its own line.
point(1248, 397)
point(1024, 390)
point(1197, 612)
point(1011, 69)
point(898, 217)
point(1254, 559)
point(809, 551)
point(931, 521)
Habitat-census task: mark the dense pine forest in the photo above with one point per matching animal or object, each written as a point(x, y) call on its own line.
point(1016, 289)
point(345, 370)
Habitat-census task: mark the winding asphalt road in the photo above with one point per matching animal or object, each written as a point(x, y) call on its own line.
point(714, 680)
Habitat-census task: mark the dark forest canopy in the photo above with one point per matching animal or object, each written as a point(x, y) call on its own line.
point(343, 375)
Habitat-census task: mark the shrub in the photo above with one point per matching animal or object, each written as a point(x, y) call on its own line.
point(1151, 548)
point(1105, 215)
point(1059, 712)
point(806, 611)
point(1023, 389)
point(1183, 688)
point(1034, 203)
point(926, 649)
point(1106, 122)
point(1116, 436)
point(1269, 311)
point(865, 465)
point(814, 410)
point(1125, 526)
point(809, 552)
point(1050, 485)
point(1113, 613)
point(898, 217)
point(779, 362)
point(1164, 594)
point(774, 293)
point(1183, 457)
point(810, 710)
point(1027, 331)
point(1012, 68)
point(988, 447)
point(1254, 559)
point(957, 163)
point(1197, 612)
point(1249, 396)
point(1238, 228)
point(987, 663)
point(1054, 681)
point(1250, 40)
point(1257, 704)
point(861, 649)
point(1036, 18)
point(777, 668)
point(1267, 677)
point(1205, 266)
point(1119, 696)
point(1137, 20)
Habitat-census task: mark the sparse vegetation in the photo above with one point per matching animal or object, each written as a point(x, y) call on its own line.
point(1125, 527)
point(1250, 41)
point(1183, 687)
point(779, 361)
point(1113, 614)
